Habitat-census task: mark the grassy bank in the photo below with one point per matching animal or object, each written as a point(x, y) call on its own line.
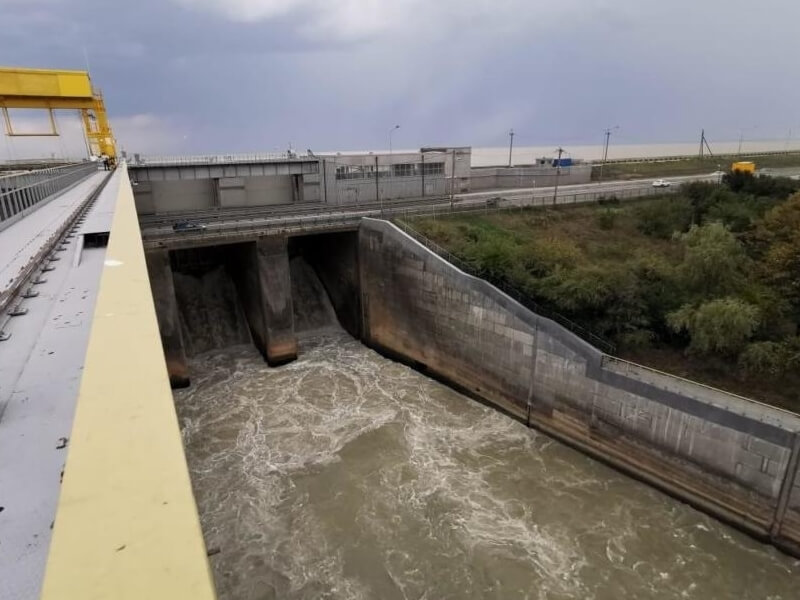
point(692, 166)
point(704, 284)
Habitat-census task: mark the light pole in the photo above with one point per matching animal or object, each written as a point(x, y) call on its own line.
point(391, 131)
point(607, 133)
point(391, 166)
point(560, 151)
point(510, 145)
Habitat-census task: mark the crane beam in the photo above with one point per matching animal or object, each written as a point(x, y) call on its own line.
point(53, 89)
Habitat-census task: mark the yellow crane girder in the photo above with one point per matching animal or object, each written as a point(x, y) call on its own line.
point(57, 89)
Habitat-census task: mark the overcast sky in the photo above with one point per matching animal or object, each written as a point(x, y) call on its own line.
point(249, 75)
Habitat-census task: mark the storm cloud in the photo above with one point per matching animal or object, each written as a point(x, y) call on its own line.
point(258, 75)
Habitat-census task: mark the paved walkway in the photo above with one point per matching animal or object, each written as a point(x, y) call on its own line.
point(23, 240)
point(40, 370)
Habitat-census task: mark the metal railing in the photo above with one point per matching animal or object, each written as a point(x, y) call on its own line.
point(521, 297)
point(237, 223)
point(20, 193)
point(138, 160)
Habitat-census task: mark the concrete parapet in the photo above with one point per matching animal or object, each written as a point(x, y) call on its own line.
point(127, 524)
point(733, 458)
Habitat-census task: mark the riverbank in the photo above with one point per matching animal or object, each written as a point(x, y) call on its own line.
point(618, 271)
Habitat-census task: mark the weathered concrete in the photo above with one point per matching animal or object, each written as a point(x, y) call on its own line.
point(493, 178)
point(726, 455)
point(163, 289)
point(334, 257)
point(275, 284)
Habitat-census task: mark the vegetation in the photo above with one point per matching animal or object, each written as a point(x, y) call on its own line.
point(704, 283)
point(688, 166)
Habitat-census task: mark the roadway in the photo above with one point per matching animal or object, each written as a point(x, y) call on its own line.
point(232, 224)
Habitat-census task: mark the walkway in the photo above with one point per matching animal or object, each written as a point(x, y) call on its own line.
point(21, 242)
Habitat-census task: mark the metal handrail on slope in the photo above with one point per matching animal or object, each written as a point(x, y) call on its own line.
point(594, 339)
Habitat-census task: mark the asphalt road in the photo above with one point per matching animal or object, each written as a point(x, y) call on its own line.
point(159, 227)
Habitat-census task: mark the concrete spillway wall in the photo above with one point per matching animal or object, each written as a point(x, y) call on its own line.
point(733, 458)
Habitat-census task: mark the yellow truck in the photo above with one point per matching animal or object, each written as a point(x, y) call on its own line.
point(744, 167)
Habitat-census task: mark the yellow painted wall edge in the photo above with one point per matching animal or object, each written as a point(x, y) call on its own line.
point(127, 525)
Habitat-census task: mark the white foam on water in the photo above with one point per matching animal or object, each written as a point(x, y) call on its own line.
point(345, 475)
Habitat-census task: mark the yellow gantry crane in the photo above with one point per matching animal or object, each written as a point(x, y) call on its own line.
point(56, 89)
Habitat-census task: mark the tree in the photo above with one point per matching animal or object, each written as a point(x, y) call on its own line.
point(662, 218)
point(713, 261)
point(721, 326)
point(764, 358)
point(777, 242)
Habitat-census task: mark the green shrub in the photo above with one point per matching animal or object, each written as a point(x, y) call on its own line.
point(662, 218)
point(764, 358)
point(606, 218)
point(721, 326)
point(713, 262)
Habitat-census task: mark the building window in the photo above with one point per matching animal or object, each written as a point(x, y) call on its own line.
point(350, 172)
point(404, 170)
point(432, 168)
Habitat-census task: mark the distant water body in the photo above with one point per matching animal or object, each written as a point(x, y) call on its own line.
point(485, 157)
point(498, 156)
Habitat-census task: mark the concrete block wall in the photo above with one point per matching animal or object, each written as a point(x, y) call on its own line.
point(153, 197)
point(731, 457)
point(492, 178)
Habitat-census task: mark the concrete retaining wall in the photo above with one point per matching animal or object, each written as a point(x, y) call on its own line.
point(731, 457)
point(493, 178)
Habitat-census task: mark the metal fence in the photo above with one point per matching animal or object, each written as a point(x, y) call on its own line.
point(20, 193)
point(510, 290)
point(206, 159)
point(511, 201)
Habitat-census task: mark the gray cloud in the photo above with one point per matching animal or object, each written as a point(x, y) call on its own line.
point(243, 75)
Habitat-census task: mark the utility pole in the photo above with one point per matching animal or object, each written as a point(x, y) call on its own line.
point(702, 142)
point(607, 133)
point(510, 145)
point(391, 164)
point(377, 184)
point(560, 151)
point(453, 179)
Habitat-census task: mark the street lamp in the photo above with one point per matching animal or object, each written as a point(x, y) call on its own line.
point(391, 131)
point(391, 166)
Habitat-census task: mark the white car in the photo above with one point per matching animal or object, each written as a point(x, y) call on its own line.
point(661, 183)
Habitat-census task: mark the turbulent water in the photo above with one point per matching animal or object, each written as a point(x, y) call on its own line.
point(345, 475)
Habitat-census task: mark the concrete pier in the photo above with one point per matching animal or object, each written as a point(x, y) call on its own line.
point(279, 344)
point(163, 289)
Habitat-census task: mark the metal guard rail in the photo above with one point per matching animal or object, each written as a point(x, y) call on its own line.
point(205, 159)
point(510, 290)
point(22, 191)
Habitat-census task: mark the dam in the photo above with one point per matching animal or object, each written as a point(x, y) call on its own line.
point(344, 439)
point(352, 416)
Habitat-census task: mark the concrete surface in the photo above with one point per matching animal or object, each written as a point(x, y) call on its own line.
point(725, 454)
point(127, 524)
point(40, 370)
point(22, 241)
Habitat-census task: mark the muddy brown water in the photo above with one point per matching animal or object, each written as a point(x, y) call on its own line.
point(345, 475)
